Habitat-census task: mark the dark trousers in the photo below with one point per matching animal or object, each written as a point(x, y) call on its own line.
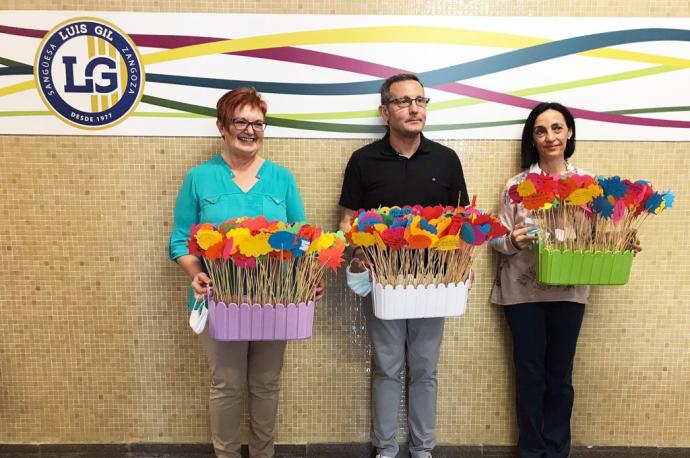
point(544, 340)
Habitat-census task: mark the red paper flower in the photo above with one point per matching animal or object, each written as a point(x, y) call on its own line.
point(513, 194)
point(430, 213)
point(394, 238)
point(309, 232)
point(214, 252)
point(255, 224)
point(193, 247)
point(565, 187)
point(455, 225)
point(244, 262)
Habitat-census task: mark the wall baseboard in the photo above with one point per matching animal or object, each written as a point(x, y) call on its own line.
point(347, 450)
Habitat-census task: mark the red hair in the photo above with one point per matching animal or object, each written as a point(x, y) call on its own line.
point(237, 98)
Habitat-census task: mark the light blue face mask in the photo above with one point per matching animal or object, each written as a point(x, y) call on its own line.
point(359, 282)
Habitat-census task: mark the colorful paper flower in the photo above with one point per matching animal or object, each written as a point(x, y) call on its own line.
point(603, 207)
point(394, 238)
point(207, 237)
point(331, 258)
point(256, 245)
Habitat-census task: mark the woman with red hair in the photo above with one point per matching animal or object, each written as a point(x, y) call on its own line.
point(237, 182)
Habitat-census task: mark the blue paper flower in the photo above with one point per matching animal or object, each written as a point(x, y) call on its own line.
point(653, 203)
point(484, 228)
point(669, 198)
point(424, 224)
point(400, 223)
point(282, 240)
point(602, 206)
point(467, 233)
point(396, 213)
point(301, 246)
point(613, 186)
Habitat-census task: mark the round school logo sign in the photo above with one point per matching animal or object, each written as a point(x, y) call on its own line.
point(89, 73)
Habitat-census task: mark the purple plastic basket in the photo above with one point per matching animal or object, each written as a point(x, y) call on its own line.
point(256, 322)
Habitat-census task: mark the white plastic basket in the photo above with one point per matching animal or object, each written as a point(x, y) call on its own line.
point(407, 301)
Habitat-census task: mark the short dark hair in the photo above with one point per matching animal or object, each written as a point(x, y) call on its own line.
point(391, 80)
point(528, 153)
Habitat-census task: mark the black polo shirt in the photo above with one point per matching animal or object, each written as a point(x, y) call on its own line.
point(378, 176)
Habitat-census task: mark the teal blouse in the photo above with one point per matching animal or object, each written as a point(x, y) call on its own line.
point(209, 195)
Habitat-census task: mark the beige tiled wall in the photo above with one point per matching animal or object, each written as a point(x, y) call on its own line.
point(94, 345)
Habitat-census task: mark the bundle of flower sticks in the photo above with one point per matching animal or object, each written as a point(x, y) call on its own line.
point(417, 245)
point(256, 261)
point(581, 212)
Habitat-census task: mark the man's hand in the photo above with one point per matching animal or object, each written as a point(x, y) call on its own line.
point(359, 261)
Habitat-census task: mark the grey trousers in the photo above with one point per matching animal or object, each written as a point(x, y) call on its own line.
point(235, 365)
point(396, 342)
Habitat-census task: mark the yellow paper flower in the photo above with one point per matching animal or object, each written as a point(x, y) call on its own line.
point(255, 245)
point(526, 188)
point(384, 211)
point(207, 237)
point(447, 243)
point(579, 197)
point(595, 189)
point(363, 239)
point(380, 227)
point(238, 234)
point(379, 240)
point(325, 240)
point(441, 224)
point(414, 224)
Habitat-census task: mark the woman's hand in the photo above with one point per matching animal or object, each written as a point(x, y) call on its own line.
point(634, 244)
point(520, 237)
point(320, 290)
point(200, 284)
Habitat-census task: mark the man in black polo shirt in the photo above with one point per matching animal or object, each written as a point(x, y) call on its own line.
point(403, 168)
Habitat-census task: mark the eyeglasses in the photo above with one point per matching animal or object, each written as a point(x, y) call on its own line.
point(242, 124)
point(404, 102)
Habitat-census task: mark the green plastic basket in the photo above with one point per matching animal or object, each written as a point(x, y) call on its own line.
point(567, 267)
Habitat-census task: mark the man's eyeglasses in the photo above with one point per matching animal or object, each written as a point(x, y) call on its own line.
point(404, 102)
point(241, 124)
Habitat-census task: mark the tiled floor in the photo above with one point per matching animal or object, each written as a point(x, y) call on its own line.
point(310, 451)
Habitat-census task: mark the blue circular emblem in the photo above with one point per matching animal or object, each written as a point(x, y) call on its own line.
point(89, 73)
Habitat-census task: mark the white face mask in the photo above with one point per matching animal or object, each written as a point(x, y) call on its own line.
point(199, 315)
point(359, 282)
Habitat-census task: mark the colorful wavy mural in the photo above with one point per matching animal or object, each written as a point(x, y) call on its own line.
point(324, 81)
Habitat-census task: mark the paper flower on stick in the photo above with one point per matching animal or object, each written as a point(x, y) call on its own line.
point(602, 206)
point(600, 213)
point(283, 240)
point(256, 245)
point(433, 243)
point(265, 262)
point(207, 237)
point(254, 224)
